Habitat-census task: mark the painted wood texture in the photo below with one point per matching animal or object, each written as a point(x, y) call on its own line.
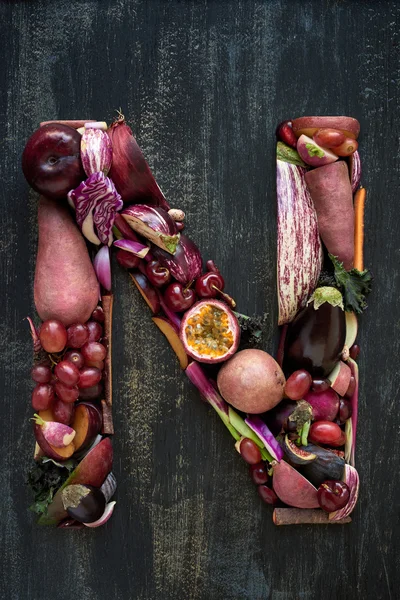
point(203, 84)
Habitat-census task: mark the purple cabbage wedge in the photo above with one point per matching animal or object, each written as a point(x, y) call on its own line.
point(153, 223)
point(96, 151)
point(186, 264)
point(299, 246)
point(265, 435)
point(96, 202)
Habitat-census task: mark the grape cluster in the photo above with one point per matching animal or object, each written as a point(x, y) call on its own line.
point(73, 368)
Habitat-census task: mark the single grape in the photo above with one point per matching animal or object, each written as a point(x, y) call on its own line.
point(91, 393)
point(250, 451)
point(348, 147)
point(99, 364)
point(53, 336)
point(41, 373)
point(326, 432)
point(333, 495)
point(67, 373)
point(267, 495)
point(95, 331)
point(329, 138)
point(352, 387)
point(75, 357)
point(320, 385)
point(78, 335)
point(63, 411)
point(298, 384)
point(345, 410)
point(258, 473)
point(354, 351)
point(128, 260)
point(42, 396)
point(98, 314)
point(65, 392)
point(94, 351)
point(89, 376)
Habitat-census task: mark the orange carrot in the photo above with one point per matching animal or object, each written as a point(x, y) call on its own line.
point(359, 206)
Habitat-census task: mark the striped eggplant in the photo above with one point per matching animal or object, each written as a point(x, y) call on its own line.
point(299, 246)
point(355, 170)
point(96, 151)
point(186, 264)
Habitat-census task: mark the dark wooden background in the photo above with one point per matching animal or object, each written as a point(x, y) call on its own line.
point(203, 84)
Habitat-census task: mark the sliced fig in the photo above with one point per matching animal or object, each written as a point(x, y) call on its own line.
point(210, 331)
point(297, 455)
point(292, 488)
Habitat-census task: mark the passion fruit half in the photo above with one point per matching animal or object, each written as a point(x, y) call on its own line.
point(210, 332)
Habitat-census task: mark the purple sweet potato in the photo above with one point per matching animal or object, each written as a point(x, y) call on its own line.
point(66, 286)
point(330, 191)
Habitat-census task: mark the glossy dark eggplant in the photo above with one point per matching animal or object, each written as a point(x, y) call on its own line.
point(327, 465)
point(84, 503)
point(315, 340)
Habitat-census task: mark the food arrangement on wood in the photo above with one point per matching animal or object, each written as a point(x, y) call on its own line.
point(293, 418)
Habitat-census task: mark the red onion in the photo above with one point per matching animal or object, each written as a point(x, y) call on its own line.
point(135, 247)
point(107, 514)
point(102, 266)
point(130, 171)
point(96, 151)
point(352, 479)
point(186, 264)
point(265, 435)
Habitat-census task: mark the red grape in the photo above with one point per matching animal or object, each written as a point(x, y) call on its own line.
point(78, 335)
point(95, 331)
point(66, 393)
point(298, 384)
point(320, 385)
point(41, 373)
point(351, 389)
point(89, 376)
point(91, 393)
point(67, 373)
point(267, 495)
point(128, 260)
point(63, 411)
point(329, 138)
point(53, 336)
point(354, 351)
point(258, 473)
point(325, 432)
point(99, 364)
point(348, 147)
point(94, 351)
point(345, 410)
point(250, 451)
point(98, 314)
point(42, 396)
point(333, 495)
point(75, 357)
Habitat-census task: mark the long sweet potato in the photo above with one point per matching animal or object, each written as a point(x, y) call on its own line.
point(66, 286)
point(330, 191)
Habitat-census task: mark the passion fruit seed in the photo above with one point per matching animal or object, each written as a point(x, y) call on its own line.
point(207, 332)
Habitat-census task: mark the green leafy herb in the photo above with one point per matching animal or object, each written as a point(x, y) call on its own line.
point(314, 151)
point(44, 479)
point(252, 330)
point(355, 286)
point(288, 154)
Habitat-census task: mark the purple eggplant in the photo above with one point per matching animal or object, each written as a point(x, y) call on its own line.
point(186, 264)
point(316, 337)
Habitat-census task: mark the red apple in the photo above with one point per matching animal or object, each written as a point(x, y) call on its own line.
point(340, 378)
point(147, 291)
point(51, 160)
point(310, 125)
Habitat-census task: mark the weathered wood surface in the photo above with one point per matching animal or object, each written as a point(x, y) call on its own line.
point(203, 85)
